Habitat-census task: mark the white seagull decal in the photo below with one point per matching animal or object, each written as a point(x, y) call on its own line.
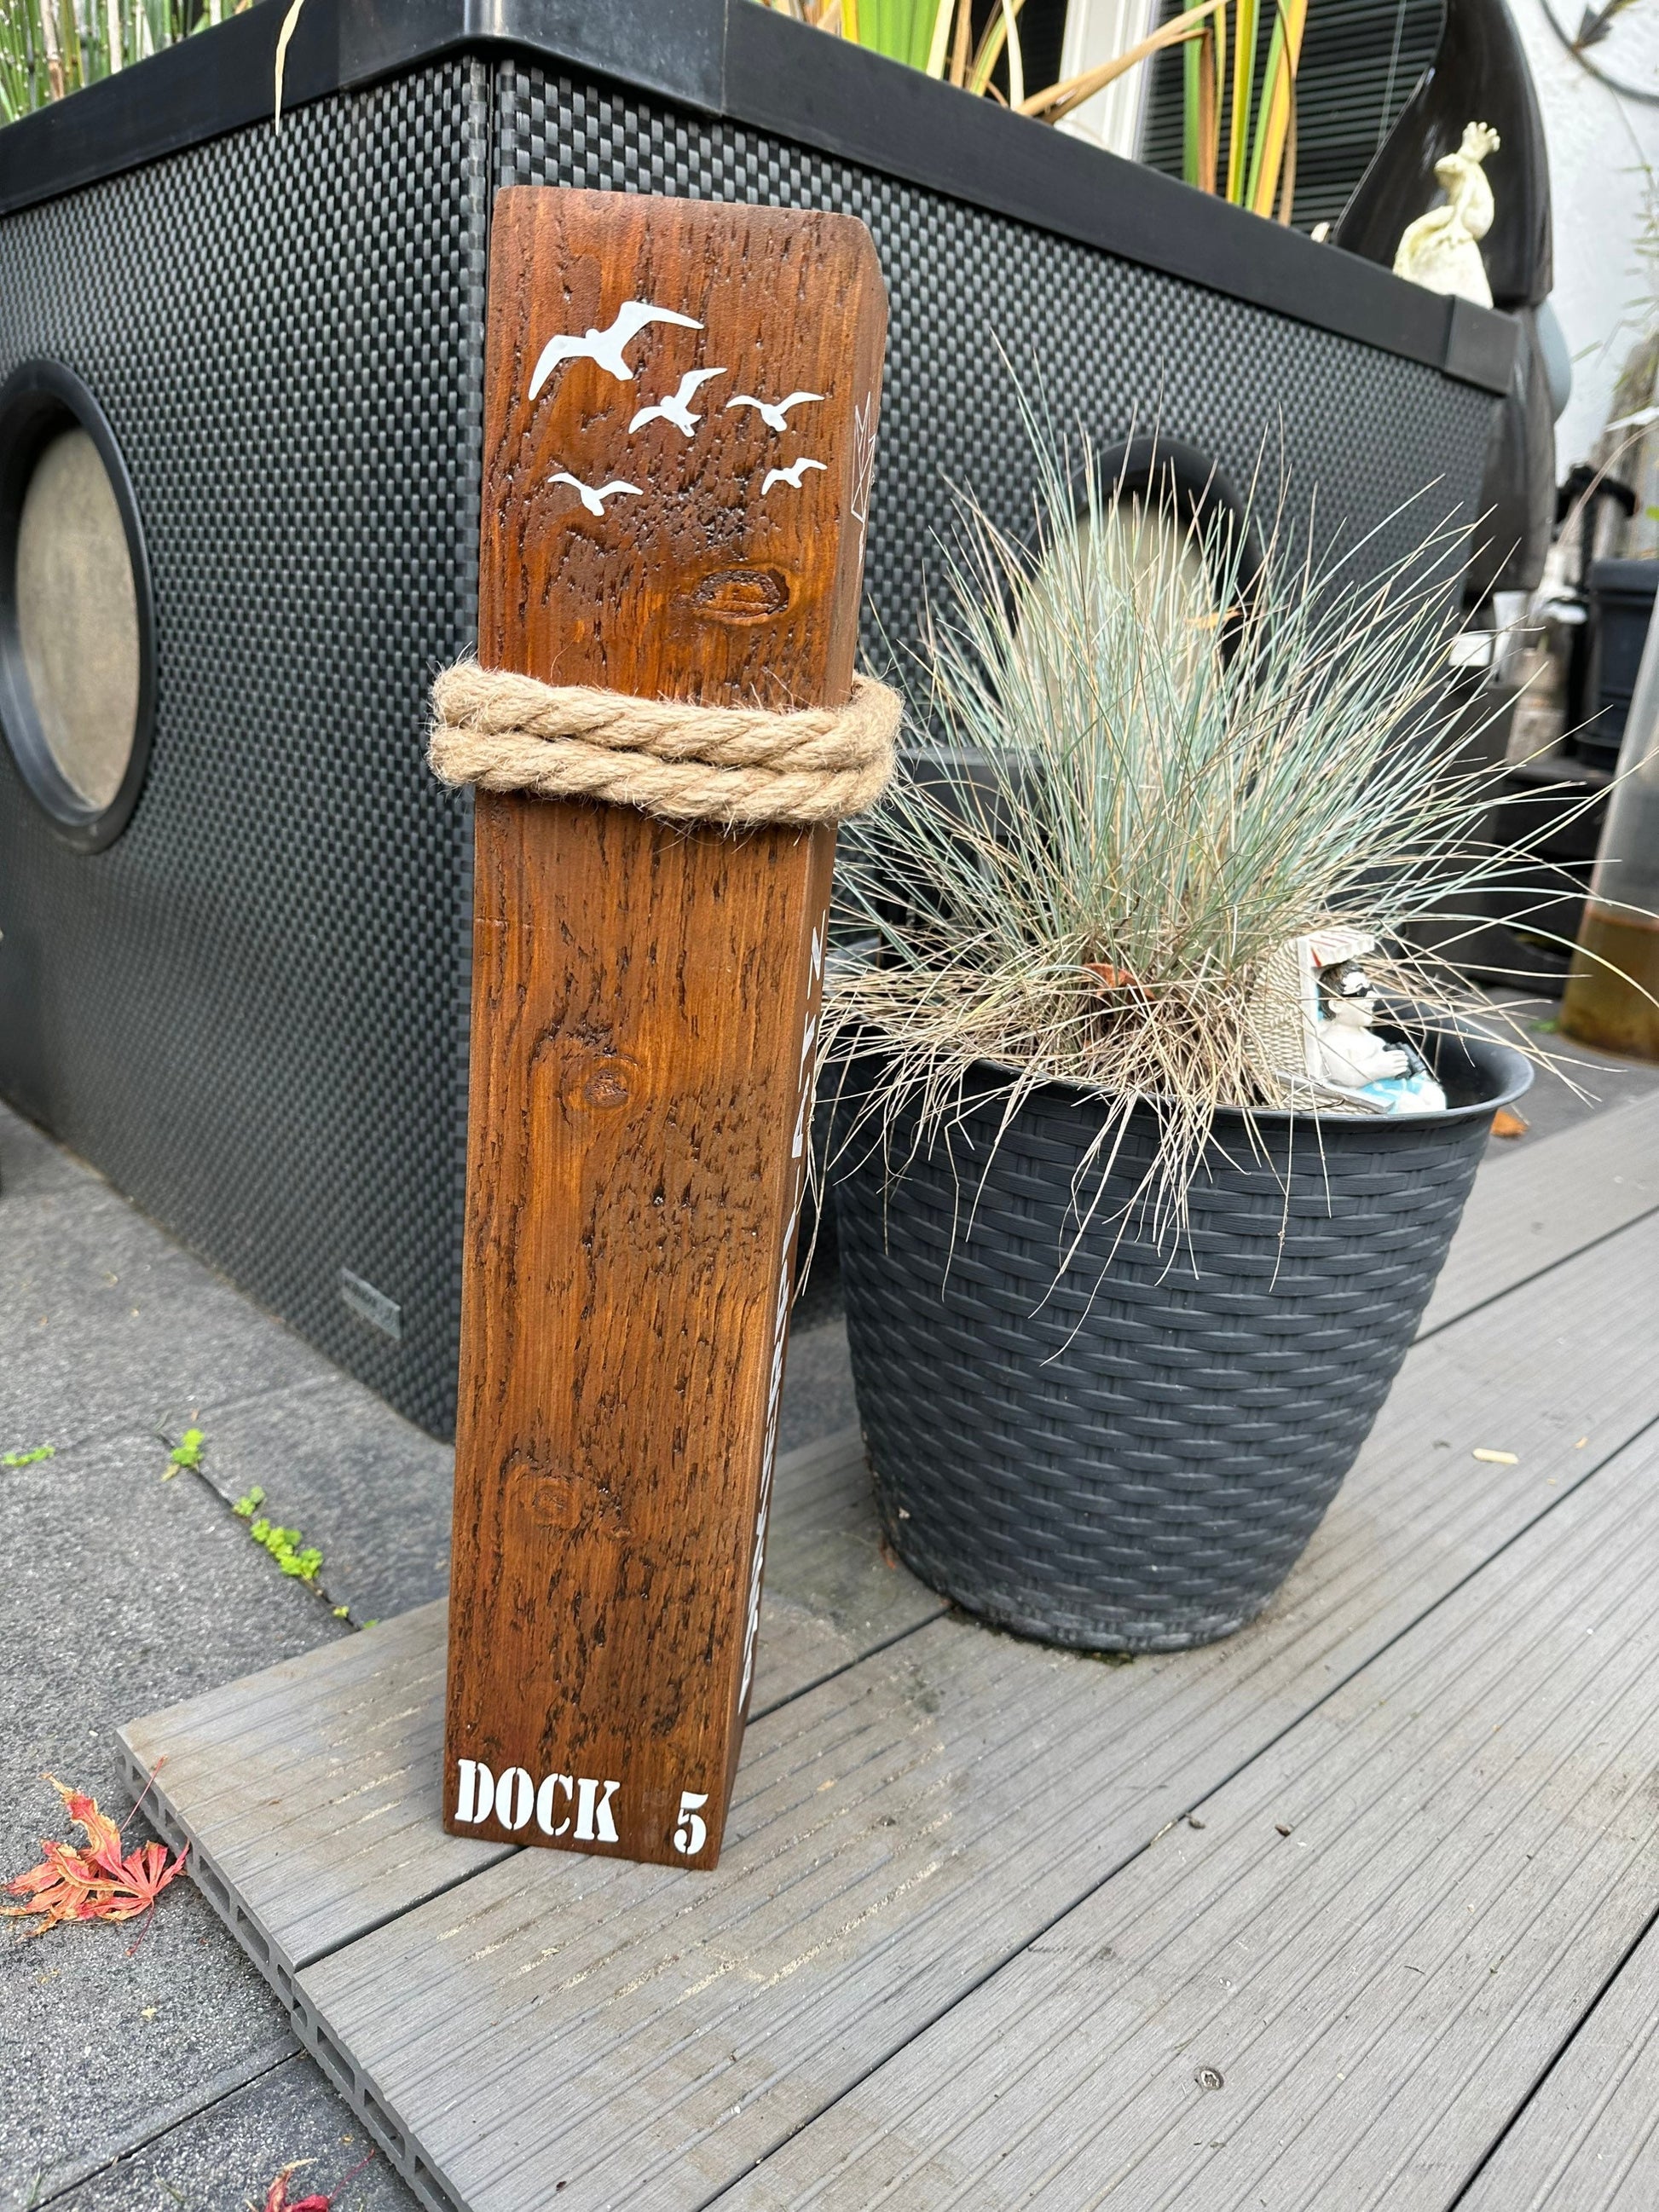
point(593, 498)
point(677, 408)
point(772, 411)
point(605, 347)
point(791, 474)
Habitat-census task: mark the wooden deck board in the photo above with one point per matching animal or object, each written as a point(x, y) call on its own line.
point(1559, 1196)
point(1588, 2139)
point(919, 1799)
point(902, 1830)
point(1385, 1930)
point(309, 1791)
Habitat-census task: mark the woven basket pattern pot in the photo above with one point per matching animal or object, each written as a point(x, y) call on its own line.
point(1129, 1454)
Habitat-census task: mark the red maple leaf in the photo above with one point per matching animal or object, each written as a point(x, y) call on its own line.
point(93, 1881)
point(279, 2200)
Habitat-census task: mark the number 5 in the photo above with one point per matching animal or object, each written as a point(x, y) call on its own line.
point(692, 1833)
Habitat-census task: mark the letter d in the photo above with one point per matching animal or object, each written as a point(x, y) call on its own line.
point(475, 1791)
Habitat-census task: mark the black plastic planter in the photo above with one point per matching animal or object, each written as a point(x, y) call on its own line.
point(1132, 1457)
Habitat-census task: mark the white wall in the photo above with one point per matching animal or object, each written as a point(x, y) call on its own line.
point(1598, 143)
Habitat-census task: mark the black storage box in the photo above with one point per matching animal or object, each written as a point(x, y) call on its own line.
point(249, 1008)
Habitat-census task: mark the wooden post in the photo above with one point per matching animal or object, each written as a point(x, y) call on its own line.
point(644, 999)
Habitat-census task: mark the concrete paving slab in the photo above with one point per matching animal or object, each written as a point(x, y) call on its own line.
point(366, 1486)
point(122, 1590)
point(221, 2159)
point(108, 1327)
point(31, 1164)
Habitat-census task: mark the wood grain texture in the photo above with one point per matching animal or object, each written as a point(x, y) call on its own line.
point(644, 1001)
point(903, 1831)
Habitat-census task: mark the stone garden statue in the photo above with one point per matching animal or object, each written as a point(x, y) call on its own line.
point(1441, 249)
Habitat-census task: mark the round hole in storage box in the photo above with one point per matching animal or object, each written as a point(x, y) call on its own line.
point(76, 627)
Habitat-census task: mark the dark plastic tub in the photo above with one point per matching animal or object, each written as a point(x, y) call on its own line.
point(1132, 1457)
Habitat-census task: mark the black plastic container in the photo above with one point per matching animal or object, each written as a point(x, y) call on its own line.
point(1130, 1451)
point(1621, 605)
point(285, 334)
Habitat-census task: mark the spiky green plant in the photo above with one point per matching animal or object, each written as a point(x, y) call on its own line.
point(50, 48)
point(1152, 770)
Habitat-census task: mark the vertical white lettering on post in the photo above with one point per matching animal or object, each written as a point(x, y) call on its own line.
point(780, 1311)
point(474, 1790)
point(594, 1822)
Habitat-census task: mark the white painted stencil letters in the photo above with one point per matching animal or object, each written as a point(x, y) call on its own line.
point(556, 1801)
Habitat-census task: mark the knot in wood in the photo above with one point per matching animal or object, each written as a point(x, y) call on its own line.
point(669, 758)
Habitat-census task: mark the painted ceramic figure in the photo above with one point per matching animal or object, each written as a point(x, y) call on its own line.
point(1353, 1058)
point(1441, 249)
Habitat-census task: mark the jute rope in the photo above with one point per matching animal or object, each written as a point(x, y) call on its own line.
point(687, 764)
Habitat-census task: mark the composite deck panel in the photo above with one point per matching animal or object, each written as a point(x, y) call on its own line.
point(309, 1791)
point(1587, 2138)
point(1385, 1929)
point(905, 1829)
point(1557, 1196)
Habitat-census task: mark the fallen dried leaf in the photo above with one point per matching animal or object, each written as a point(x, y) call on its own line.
point(1496, 1458)
point(1114, 979)
point(279, 2200)
point(93, 1881)
point(1507, 1123)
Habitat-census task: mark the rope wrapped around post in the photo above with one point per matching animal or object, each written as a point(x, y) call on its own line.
point(738, 765)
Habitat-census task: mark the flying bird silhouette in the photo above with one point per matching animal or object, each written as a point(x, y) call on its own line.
point(594, 498)
point(791, 474)
point(677, 408)
point(605, 347)
point(772, 411)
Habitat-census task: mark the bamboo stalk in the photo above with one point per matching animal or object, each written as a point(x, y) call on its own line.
point(53, 47)
point(1209, 106)
point(1015, 59)
point(1288, 188)
point(1060, 98)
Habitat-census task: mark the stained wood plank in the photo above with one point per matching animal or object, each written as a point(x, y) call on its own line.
point(644, 999)
point(901, 1831)
point(311, 1791)
point(1587, 2138)
point(1555, 1198)
point(1378, 1939)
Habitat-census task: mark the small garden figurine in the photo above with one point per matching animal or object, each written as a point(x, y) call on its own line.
point(1354, 1059)
point(1441, 249)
